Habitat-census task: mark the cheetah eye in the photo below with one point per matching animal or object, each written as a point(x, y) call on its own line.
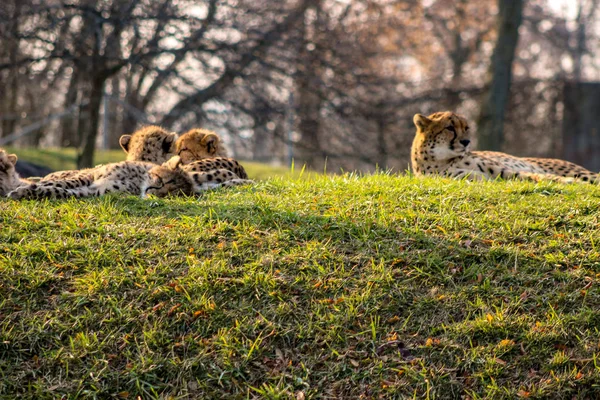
point(170, 182)
point(451, 129)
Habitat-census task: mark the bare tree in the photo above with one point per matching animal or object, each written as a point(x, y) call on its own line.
point(490, 124)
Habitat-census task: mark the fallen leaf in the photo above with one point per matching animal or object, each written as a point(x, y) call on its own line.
point(523, 296)
point(174, 308)
point(506, 343)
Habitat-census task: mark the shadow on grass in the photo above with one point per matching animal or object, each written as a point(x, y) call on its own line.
point(210, 300)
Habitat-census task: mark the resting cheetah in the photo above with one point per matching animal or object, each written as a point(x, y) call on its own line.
point(441, 146)
point(197, 144)
point(133, 177)
point(198, 176)
point(151, 144)
point(9, 178)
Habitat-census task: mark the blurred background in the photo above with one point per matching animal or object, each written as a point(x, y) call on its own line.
point(329, 83)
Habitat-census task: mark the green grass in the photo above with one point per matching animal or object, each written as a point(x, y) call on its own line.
point(59, 159)
point(335, 287)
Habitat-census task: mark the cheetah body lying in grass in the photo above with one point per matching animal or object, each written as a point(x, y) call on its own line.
point(132, 177)
point(441, 146)
point(201, 161)
point(199, 176)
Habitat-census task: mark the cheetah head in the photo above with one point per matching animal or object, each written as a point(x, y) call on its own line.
point(151, 143)
point(8, 174)
point(197, 144)
point(442, 135)
point(168, 179)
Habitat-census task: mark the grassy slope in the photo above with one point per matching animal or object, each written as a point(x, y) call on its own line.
point(334, 287)
point(65, 158)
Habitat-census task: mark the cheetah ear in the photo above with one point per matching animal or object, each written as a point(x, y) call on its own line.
point(210, 141)
point(124, 142)
point(169, 142)
point(173, 163)
point(12, 158)
point(421, 121)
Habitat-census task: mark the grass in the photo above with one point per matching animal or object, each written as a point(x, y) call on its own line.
point(59, 159)
point(333, 287)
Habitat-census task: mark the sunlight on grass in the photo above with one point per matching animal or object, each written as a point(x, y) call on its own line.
point(378, 286)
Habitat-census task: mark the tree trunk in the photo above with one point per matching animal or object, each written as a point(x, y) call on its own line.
point(130, 121)
point(581, 141)
point(12, 94)
point(490, 125)
point(114, 122)
point(69, 125)
point(382, 147)
point(33, 138)
point(309, 101)
point(86, 158)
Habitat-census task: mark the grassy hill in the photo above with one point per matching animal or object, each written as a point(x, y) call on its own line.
point(332, 287)
point(65, 158)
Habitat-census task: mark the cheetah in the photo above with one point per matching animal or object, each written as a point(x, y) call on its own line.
point(197, 144)
point(442, 146)
point(9, 178)
point(198, 176)
point(151, 144)
point(132, 177)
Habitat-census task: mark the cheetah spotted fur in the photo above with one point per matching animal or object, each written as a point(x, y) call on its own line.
point(442, 146)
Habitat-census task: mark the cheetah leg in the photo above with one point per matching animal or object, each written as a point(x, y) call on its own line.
point(216, 178)
point(467, 174)
point(47, 191)
point(237, 182)
point(528, 176)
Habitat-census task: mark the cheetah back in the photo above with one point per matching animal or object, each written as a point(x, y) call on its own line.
point(218, 163)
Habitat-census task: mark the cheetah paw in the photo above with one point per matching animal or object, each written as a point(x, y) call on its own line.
point(22, 192)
